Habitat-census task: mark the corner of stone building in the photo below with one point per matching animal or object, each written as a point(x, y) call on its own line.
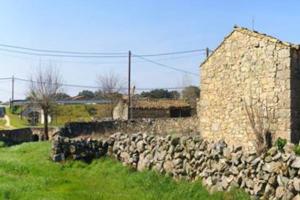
point(295, 95)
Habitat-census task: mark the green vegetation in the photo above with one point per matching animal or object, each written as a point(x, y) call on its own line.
point(297, 149)
point(161, 94)
point(15, 120)
point(26, 172)
point(280, 143)
point(62, 114)
point(2, 122)
point(69, 113)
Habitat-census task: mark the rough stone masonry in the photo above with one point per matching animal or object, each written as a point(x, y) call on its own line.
point(254, 70)
point(273, 175)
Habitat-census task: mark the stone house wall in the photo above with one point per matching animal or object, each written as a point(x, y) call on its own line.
point(295, 95)
point(248, 68)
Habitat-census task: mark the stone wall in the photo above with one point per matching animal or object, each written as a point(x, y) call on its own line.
point(248, 69)
point(295, 94)
point(184, 126)
point(220, 166)
point(17, 136)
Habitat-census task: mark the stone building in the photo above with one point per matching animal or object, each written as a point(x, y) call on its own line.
point(254, 73)
point(151, 108)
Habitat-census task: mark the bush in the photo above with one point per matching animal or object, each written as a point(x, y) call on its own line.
point(16, 110)
point(91, 110)
point(280, 143)
point(297, 150)
point(2, 144)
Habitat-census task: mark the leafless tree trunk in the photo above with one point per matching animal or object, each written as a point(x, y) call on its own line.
point(111, 87)
point(45, 85)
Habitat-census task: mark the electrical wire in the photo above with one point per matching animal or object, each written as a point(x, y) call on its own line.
point(172, 53)
point(79, 54)
point(61, 55)
point(59, 51)
point(166, 66)
point(97, 87)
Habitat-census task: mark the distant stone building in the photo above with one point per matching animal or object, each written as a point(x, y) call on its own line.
point(162, 108)
point(249, 70)
point(34, 115)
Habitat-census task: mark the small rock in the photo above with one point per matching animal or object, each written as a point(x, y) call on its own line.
point(280, 191)
point(296, 184)
point(272, 167)
point(288, 148)
point(140, 146)
point(58, 157)
point(276, 157)
point(282, 180)
point(297, 197)
point(249, 183)
point(268, 159)
point(296, 163)
point(272, 151)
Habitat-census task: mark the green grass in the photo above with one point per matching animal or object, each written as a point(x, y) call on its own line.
point(27, 173)
point(63, 114)
point(72, 113)
point(2, 122)
point(15, 120)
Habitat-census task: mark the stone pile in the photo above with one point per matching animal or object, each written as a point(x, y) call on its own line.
point(274, 175)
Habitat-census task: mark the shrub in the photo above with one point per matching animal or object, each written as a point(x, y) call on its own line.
point(280, 143)
point(2, 144)
point(297, 149)
point(16, 110)
point(91, 110)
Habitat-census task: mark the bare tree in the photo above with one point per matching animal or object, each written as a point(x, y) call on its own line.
point(111, 87)
point(44, 87)
point(260, 116)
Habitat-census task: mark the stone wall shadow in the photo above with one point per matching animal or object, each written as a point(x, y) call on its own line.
point(295, 96)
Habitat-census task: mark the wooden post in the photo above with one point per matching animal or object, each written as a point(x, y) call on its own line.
point(129, 85)
point(12, 90)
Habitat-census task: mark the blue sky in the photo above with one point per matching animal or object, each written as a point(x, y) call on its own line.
point(140, 26)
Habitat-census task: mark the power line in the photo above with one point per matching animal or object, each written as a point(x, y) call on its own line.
point(108, 62)
point(62, 84)
point(9, 78)
point(96, 87)
point(61, 55)
point(166, 66)
point(172, 53)
point(79, 54)
point(59, 51)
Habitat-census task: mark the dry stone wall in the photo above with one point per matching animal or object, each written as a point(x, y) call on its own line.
point(248, 69)
point(274, 175)
point(180, 126)
point(17, 136)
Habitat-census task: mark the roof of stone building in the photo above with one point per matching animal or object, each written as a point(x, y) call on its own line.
point(257, 34)
point(159, 104)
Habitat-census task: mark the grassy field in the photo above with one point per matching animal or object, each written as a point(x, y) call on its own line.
point(15, 120)
point(27, 173)
point(71, 113)
point(2, 123)
point(64, 114)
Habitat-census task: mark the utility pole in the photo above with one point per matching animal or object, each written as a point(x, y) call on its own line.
point(207, 52)
point(12, 89)
point(129, 85)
